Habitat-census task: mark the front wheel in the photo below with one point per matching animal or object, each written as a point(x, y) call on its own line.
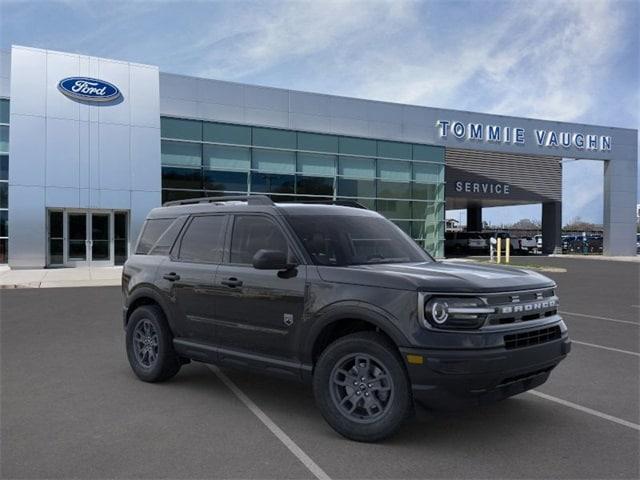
point(361, 387)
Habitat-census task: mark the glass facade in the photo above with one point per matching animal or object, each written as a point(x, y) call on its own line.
point(4, 180)
point(403, 181)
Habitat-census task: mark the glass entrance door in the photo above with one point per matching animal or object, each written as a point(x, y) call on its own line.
point(82, 238)
point(77, 238)
point(100, 241)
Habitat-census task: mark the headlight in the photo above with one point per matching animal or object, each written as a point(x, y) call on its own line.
point(452, 312)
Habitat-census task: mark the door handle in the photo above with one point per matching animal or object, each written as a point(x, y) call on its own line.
point(232, 282)
point(172, 277)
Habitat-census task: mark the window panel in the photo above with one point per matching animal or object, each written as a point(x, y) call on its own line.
point(428, 173)
point(396, 171)
point(4, 167)
point(252, 233)
point(171, 195)
point(227, 158)
point(4, 139)
point(370, 203)
point(356, 188)
point(404, 226)
point(424, 230)
point(394, 189)
point(4, 195)
point(180, 153)
point(394, 208)
point(120, 240)
point(357, 167)
point(4, 223)
point(394, 150)
point(425, 191)
point(178, 128)
point(203, 240)
point(4, 111)
point(428, 153)
point(272, 183)
point(274, 161)
point(314, 185)
point(284, 198)
point(271, 137)
point(431, 212)
point(358, 146)
point(224, 133)
point(317, 143)
point(189, 178)
point(316, 164)
point(4, 255)
point(231, 181)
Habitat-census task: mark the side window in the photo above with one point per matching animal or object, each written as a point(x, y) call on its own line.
point(252, 233)
point(165, 242)
point(153, 228)
point(203, 241)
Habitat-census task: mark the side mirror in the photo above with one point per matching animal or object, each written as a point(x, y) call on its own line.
point(270, 260)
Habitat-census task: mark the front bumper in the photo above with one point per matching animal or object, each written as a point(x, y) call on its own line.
point(456, 378)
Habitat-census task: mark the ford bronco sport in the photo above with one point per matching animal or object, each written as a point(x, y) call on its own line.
point(340, 297)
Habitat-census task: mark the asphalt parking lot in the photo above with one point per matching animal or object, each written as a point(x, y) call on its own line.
point(71, 407)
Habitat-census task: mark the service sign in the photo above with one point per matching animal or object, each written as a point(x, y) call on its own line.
point(88, 89)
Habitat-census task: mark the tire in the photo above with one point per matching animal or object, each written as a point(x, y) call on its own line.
point(150, 345)
point(382, 405)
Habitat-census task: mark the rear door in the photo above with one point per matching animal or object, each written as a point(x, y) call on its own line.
point(189, 274)
point(258, 311)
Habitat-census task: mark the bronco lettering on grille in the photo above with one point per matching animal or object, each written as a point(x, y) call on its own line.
point(529, 307)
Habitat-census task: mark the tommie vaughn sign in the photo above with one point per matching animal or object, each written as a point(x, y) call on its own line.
point(516, 135)
point(88, 89)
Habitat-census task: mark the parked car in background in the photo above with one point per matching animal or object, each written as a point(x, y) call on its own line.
point(529, 245)
point(458, 243)
point(582, 244)
point(538, 247)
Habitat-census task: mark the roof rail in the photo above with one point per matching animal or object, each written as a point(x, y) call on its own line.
point(342, 203)
point(250, 199)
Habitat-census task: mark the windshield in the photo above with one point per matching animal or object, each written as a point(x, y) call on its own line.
point(341, 240)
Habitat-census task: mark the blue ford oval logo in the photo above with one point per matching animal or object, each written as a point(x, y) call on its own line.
point(89, 89)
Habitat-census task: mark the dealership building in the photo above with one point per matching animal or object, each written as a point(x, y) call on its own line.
point(89, 145)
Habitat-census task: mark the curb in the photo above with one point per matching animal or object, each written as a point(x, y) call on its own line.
point(63, 284)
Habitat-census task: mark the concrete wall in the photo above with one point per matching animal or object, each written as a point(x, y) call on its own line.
point(71, 154)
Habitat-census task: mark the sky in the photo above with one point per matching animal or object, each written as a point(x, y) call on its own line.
point(563, 60)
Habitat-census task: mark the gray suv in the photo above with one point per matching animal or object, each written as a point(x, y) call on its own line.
point(337, 296)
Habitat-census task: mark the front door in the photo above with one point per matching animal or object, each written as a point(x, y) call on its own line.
point(82, 238)
point(258, 310)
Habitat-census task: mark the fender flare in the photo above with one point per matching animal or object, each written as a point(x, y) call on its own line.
point(355, 310)
point(147, 291)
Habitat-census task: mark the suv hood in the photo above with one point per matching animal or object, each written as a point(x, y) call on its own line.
point(437, 277)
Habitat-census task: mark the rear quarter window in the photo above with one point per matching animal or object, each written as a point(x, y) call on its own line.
point(151, 233)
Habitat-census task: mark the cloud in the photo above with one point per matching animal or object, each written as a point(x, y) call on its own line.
point(575, 60)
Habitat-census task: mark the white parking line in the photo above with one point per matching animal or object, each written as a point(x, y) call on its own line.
point(601, 318)
point(270, 424)
point(628, 352)
point(590, 411)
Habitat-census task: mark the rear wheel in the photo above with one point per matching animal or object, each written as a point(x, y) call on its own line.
point(361, 387)
point(150, 345)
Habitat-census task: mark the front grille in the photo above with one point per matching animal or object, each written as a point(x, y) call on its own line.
point(524, 306)
point(534, 337)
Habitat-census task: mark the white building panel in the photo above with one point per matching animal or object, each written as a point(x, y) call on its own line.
point(63, 153)
point(27, 142)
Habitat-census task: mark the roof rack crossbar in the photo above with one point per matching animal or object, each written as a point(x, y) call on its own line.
point(250, 199)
